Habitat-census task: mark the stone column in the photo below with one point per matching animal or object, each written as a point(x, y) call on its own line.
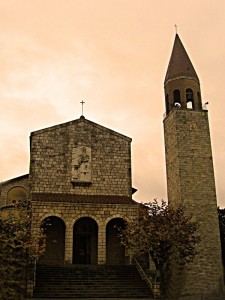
point(69, 244)
point(102, 245)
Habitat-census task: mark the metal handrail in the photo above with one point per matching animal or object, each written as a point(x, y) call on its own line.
point(143, 273)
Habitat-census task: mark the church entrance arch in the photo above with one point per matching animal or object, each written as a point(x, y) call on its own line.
point(85, 241)
point(115, 252)
point(54, 228)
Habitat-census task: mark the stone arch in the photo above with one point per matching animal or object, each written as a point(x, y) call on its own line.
point(85, 241)
point(54, 228)
point(49, 214)
point(79, 216)
point(115, 252)
point(17, 194)
point(116, 216)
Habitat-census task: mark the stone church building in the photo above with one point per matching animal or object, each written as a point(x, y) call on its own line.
point(80, 180)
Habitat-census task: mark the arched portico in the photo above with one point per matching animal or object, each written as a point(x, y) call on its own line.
point(54, 228)
point(115, 252)
point(85, 241)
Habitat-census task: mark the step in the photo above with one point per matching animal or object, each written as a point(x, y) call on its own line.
point(89, 282)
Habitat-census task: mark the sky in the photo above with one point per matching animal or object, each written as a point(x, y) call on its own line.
point(113, 55)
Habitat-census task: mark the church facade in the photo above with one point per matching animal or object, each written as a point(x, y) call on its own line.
point(80, 183)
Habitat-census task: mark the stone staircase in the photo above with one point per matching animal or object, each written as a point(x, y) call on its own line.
point(90, 282)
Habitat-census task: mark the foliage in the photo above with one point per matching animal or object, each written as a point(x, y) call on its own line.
point(166, 233)
point(18, 250)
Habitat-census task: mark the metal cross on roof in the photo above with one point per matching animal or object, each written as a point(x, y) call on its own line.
point(82, 102)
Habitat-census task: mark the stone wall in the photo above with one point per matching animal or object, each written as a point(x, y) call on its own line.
point(190, 182)
point(56, 167)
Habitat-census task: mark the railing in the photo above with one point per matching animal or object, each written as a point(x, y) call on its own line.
point(142, 273)
point(154, 287)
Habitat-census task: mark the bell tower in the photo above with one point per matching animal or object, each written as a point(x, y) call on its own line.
point(182, 86)
point(190, 176)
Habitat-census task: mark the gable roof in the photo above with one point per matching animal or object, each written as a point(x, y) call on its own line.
point(80, 120)
point(26, 176)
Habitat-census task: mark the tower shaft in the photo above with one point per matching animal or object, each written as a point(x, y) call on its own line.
point(190, 178)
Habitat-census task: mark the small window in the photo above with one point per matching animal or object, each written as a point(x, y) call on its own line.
point(189, 95)
point(176, 96)
point(16, 195)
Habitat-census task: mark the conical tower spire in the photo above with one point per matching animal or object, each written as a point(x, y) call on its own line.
point(180, 64)
point(182, 85)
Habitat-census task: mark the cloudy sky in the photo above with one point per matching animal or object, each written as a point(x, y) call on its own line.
point(113, 54)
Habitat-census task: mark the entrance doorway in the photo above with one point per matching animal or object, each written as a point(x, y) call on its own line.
point(54, 228)
point(85, 241)
point(115, 252)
